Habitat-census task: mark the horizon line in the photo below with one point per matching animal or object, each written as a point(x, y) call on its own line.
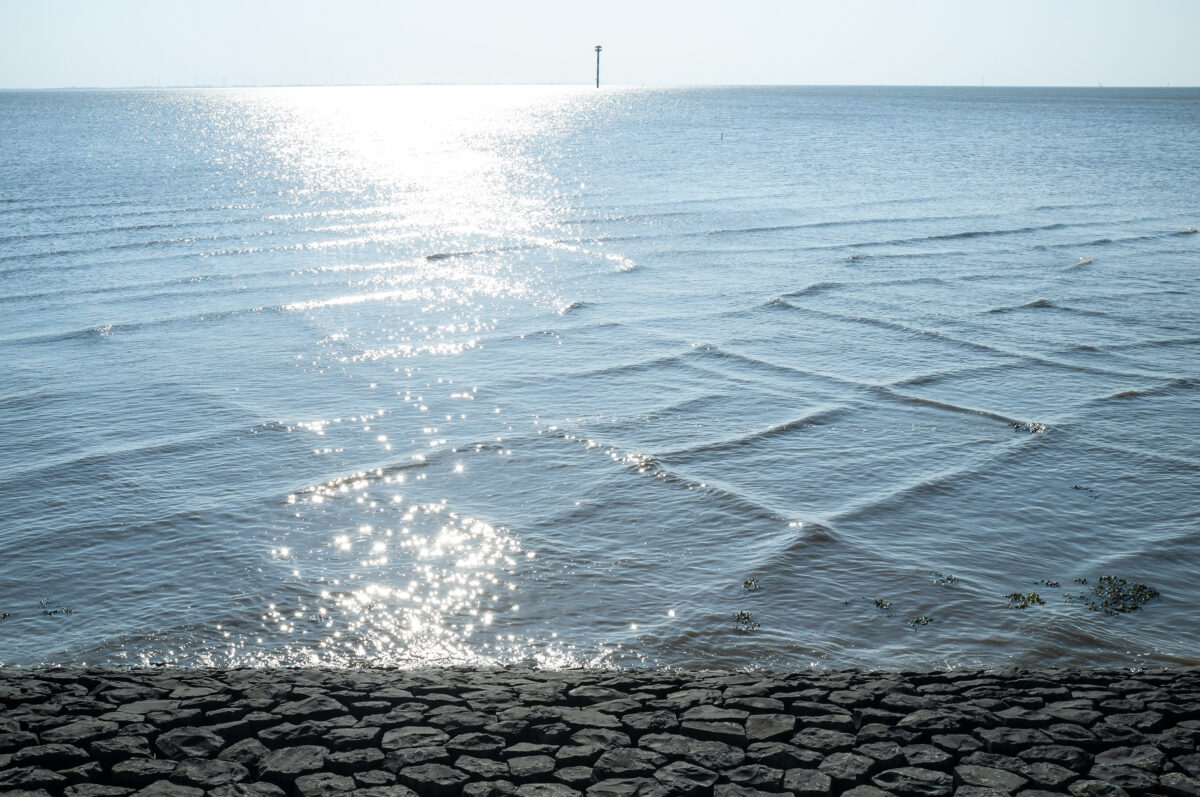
point(172, 86)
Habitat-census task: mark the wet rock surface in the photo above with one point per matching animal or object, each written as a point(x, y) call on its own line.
point(514, 731)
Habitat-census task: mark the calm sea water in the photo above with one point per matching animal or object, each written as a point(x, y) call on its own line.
point(465, 375)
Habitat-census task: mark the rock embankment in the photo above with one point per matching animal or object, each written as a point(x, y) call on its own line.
point(538, 733)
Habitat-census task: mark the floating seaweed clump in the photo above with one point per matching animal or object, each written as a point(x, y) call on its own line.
point(51, 612)
point(920, 619)
point(1018, 601)
point(1114, 595)
point(943, 578)
point(1050, 583)
point(882, 603)
point(744, 621)
point(751, 585)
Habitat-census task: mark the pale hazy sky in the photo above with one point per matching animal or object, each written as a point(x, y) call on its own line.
point(52, 43)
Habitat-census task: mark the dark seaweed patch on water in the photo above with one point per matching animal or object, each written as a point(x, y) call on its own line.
point(268, 427)
point(51, 612)
point(1018, 601)
point(744, 621)
point(1113, 595)
point(47, 610)
point(1085, 488)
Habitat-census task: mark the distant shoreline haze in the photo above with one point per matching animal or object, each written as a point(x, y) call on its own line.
point(605, 86)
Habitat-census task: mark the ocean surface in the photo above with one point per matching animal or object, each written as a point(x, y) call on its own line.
point(743, 377)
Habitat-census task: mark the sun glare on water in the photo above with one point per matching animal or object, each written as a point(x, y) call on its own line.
point(426, 215)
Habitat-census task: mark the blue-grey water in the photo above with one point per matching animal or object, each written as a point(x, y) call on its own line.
point(464, 375)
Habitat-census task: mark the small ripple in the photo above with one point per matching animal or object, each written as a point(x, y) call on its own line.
point(1047, 304)
point(963, 342)
point(1123, 452)
point(689, 404)
point(816, 287)
point(735, 504)
point(819, 417)
point(105, 330)
point(1034, 427)
point(933, 484)
point(937, 376)
point(1179, 384)
point(967, 234)
point(1035, 304)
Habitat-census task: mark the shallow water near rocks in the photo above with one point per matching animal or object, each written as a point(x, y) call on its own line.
point(437, 375)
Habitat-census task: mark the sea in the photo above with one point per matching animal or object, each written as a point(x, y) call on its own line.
point(770, 378)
